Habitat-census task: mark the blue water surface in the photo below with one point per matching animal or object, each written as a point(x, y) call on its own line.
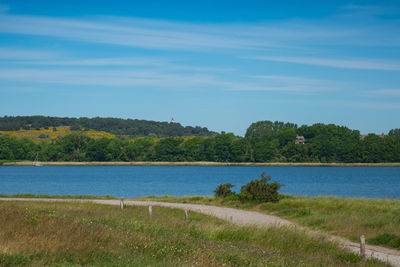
point(136, 181)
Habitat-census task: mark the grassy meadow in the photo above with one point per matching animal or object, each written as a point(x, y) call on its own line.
point(57, 196)
point(84, 234)
point(51, 133)
point(377, 219)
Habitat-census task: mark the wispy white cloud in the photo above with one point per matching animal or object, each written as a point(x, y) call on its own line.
point(25, 57)
point(155, 62)
point(371, 9)
point(367, 105)
point(120, 78)
point(335, 63)
point(93, 62)
point(388, 92)
point(297, 83)
point(140, 79)
point(20, 89)
point(277, 38)
point(289, 79)
point(159, 34)
point(148, 35)
point(25, 54)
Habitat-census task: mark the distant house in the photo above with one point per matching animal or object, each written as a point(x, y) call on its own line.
point(300, 139)
point(362, 136)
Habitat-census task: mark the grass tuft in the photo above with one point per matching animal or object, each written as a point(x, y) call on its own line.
point(9, 260)
point(349, 257)
point(386, 239)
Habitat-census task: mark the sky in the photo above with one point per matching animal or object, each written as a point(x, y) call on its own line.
point(216, 64)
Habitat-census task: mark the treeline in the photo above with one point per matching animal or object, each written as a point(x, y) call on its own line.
point(264, 142)
point(115, 126)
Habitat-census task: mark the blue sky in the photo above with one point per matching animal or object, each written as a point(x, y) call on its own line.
point(218, 64)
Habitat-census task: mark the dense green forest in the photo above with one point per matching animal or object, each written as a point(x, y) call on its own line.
point(115, 126)
point(265, 141)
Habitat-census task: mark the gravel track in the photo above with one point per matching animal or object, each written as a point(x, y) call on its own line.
point(241, 217)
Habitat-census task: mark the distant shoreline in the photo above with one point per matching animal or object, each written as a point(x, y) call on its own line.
point(201, 163)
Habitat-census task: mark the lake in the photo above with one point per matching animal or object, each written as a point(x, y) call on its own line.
point(136, 181)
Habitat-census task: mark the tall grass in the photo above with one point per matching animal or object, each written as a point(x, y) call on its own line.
point(346, 217)
point(68, 234)
point(57, 196)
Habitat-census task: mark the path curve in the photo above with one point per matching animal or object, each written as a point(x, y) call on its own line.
point(240, 217)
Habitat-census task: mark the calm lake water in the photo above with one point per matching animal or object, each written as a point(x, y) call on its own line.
point(135, 181)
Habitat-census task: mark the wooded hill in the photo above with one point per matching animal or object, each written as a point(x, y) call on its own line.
point(265, 141)
point(130, 127)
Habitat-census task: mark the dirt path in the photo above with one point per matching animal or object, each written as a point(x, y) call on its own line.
point(240, 217)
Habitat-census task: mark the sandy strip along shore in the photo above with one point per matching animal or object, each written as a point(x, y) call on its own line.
point(198, 163)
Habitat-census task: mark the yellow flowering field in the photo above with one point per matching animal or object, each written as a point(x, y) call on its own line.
point(52, 133)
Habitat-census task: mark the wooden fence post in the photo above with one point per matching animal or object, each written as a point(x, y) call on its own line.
point(231, 220)
point(362, 247)
point(186, 217)
point(121, 203)
point(150, 211)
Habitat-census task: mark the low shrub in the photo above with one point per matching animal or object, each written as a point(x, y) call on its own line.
point(261, 190)
point(258, 190)
point(224, 190)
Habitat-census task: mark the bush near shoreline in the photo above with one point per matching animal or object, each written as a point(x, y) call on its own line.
point(257, 190)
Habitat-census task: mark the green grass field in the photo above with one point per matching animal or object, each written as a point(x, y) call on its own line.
point(78, 234)
point(377, 219)
point(57, 196)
